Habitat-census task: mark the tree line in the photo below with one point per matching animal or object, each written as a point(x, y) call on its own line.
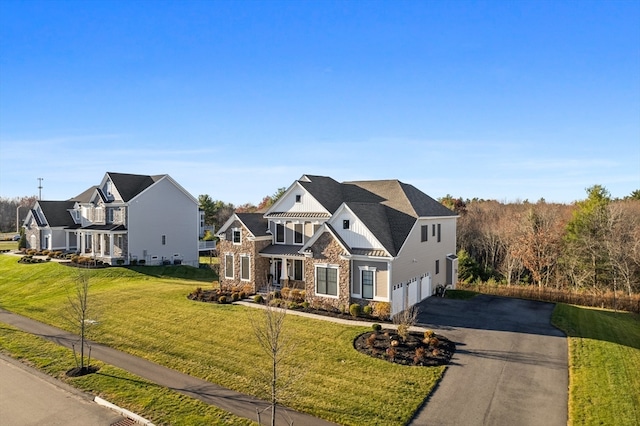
point(593, 244)
point(10, 216)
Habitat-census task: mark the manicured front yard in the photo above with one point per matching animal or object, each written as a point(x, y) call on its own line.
point(147, 314)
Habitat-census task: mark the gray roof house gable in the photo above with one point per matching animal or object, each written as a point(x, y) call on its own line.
point(129, 185)
point(255, 223)
point(56, 213)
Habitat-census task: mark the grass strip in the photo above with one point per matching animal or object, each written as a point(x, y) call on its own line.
point(142, 312)
point(158, 404)
point(604, 365)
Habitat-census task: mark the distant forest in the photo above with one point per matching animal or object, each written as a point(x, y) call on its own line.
point(592, 244)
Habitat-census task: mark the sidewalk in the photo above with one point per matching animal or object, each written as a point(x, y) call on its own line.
point(226, 399)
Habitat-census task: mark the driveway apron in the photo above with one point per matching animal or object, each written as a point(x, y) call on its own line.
point(510, 365)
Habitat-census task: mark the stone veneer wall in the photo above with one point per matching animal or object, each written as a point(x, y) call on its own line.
point(326, 250)
point(258, 266)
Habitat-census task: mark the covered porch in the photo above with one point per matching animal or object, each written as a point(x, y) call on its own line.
point(107, 243)
point(286, 266)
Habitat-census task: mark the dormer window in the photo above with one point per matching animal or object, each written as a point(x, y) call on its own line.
point(298, 198)
point(345, 224)
point(236, 235)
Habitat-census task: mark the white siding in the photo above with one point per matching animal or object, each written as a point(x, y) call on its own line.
point(163, 209)
point(417, 258)
point(358, 235)
point(307, 203)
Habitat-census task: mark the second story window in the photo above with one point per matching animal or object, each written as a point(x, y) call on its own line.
point(298, 198)
point(164, 240)
point(279, 233)
point(424, 233)
point(297, 233)
point(236, 235)
point(345, 224)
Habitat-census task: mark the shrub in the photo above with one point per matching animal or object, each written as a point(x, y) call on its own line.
point(235, 296)
point(355, 310)
point(242, 295)
point(382, 310)
point(395, 343)
point(293, 305)
point(367, 310)
point(419, 355)
point(247, 289)
point(46, 252)
point(275, 295)
point(376, 327)
point(434, 342)
point(258, 298)
point(142, 262)
point(305, 304)
point(403, 331)
point(428, 334)
point(285, 292)
point(222, 299)
point(278, 303)
point(133, 262)
point(371, 340)
point(391, 353)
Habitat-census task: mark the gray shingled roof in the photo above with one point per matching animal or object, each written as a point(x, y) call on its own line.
point(255, 223)
point(129, 185)
point(85, 196)
point(56, 212)
point(389, 208)
point(282, 250)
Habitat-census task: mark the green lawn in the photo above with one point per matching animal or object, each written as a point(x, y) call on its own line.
point(145, 313)
point(146, 399)
point(604, 365)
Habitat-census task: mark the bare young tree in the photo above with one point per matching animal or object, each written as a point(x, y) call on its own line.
point(269, 327)
point(78, 316)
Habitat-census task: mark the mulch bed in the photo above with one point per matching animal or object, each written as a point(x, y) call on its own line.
point(416, 350)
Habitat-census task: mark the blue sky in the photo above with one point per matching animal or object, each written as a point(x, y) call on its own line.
point(505, 100)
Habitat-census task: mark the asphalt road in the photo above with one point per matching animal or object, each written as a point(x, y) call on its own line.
point(510, 366)
point(28, 397)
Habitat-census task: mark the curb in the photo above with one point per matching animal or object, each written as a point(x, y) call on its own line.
point(126, 413)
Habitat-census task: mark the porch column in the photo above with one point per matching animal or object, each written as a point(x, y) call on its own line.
point(284, 275)
point(272, 271)
point(81, 245)
point(111, 238)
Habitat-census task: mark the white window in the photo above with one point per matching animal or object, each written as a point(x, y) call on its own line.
point(279, 233)
point(327, 280)
point(297, 233)
point(368, 283)
point(228, 265)
point(424, 233)
point(236, 236)
point(298, 270)
point(244, 268)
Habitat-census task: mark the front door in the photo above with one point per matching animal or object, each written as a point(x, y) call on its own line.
point(278, 271)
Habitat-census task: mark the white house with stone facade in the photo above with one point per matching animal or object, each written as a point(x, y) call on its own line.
point(125, 218)
point(351, 242)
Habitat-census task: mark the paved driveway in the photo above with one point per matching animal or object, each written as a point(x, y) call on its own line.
point(510, 366)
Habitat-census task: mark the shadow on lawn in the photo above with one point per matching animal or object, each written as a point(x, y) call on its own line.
point(621, 328)
point(181, 272)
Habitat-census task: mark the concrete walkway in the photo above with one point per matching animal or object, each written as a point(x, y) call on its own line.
point(228, 400)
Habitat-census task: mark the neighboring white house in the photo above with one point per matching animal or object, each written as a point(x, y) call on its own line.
point(127, 216)
point(351, 242)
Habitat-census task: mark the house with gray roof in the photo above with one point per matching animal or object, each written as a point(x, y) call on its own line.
point(351, 242)
point(126, 218)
